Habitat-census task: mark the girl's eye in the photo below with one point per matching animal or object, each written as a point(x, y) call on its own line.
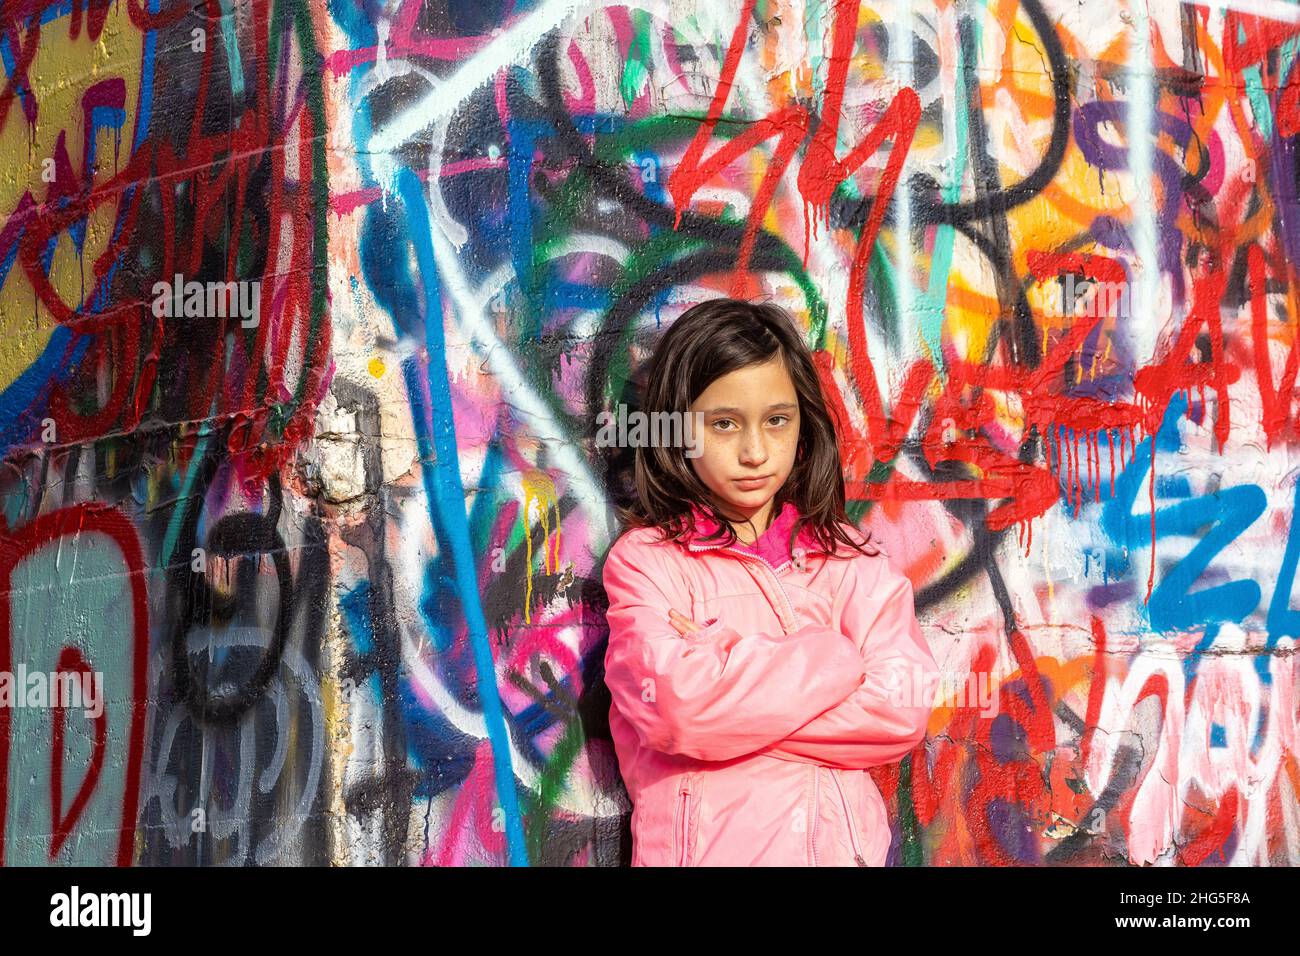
point(727, 421)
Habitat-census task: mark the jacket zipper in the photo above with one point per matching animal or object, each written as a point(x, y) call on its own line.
point(787, 604)
point(682, 823)
point(853, 833)
point(816, 784)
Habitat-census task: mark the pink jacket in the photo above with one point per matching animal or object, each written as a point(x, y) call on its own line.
point(748, 743)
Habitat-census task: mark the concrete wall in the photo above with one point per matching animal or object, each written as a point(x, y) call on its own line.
point(336, 555)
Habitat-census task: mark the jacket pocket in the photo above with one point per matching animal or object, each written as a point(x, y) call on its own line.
point(835, 818)
point(684, 820)
point(854, 839)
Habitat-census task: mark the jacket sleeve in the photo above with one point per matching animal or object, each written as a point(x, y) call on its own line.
point(886, 715)
point(718, 694)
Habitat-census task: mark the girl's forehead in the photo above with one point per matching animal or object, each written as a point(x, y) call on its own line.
point(753, 384)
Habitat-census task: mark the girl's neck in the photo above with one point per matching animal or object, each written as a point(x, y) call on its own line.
point(749, 531)
point(761, 522)
point(745, 535)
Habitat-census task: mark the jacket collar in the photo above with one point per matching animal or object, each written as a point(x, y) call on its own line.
point(772, 545)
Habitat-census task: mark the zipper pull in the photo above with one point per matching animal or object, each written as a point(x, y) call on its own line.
point(858, 857)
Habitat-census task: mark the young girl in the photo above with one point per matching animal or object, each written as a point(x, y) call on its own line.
point(762, 654)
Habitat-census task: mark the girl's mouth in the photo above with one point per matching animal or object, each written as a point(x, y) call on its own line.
point(749, 484)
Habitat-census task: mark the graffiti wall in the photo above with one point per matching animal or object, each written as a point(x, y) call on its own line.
point(309, 308)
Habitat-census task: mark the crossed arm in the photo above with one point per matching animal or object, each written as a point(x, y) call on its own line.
point(831, 696)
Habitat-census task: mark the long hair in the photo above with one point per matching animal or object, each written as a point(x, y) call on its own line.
point(709, 340)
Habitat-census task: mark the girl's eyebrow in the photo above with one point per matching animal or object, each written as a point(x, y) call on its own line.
point(738, 411)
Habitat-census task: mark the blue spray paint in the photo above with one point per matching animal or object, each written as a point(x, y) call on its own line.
point(440, 473)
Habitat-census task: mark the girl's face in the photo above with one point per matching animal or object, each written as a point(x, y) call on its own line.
point(751, 435)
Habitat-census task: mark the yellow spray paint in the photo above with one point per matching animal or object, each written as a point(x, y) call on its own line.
point(538, 487)
point(26, 157)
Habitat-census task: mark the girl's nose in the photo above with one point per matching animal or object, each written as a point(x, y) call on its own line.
point(754, 451)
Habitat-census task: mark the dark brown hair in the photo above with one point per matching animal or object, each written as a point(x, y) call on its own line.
point(709, 340)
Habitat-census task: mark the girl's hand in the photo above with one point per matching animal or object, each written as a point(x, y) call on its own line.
point(683, 624)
